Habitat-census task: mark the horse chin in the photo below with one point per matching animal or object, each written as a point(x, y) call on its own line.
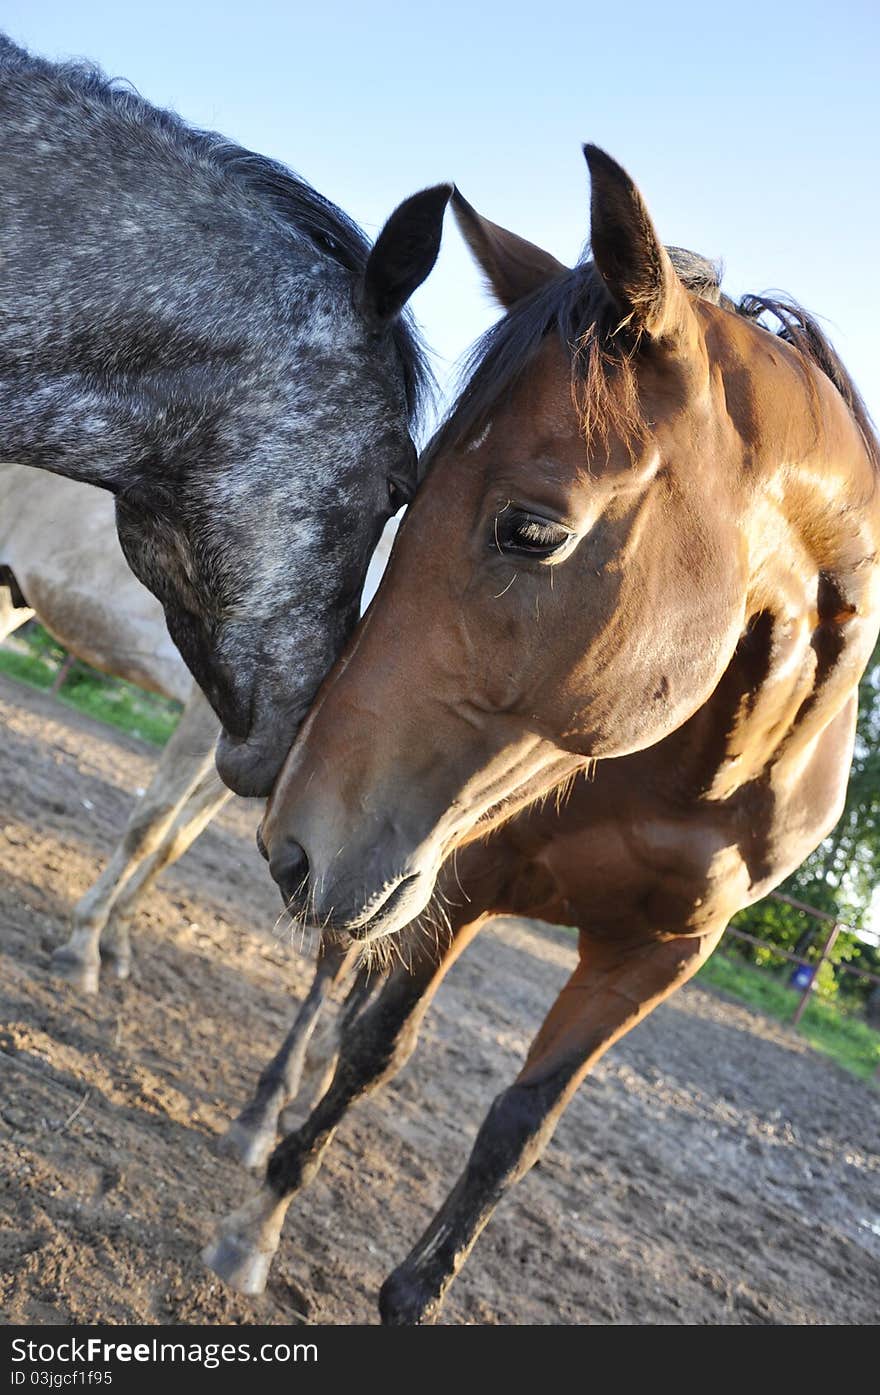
point(247, 767)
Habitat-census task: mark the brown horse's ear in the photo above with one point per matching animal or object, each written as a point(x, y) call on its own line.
point(632, 260)
point(404, 253)
point(513, 267)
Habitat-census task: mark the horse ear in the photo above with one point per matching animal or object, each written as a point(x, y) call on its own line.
point(513, 267)
point(404, 252)
point(629, 255)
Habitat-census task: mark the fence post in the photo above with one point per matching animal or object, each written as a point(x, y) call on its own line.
point(61, 676)
point(805, 996)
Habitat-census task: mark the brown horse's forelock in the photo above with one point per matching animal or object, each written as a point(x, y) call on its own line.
point(577, 307)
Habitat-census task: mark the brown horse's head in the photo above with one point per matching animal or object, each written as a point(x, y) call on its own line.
point(574, 575)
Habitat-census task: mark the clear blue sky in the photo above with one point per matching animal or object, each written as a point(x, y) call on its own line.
point(752, 128)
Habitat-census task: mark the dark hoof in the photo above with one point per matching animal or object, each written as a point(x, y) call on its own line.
point(249, 1145)
point(405, 1301)
point(82, 974)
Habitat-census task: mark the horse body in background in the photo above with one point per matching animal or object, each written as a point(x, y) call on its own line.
point(196, 330)
point(58, 542)
point(609, 680)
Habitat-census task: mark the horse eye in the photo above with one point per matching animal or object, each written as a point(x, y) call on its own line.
point(528, 535)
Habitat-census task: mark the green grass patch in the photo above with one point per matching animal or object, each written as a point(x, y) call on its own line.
point(36, 661)
point(848, 1040)
point(27, 668)
point(121, 704)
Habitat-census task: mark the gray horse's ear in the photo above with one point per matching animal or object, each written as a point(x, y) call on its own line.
point(513, 267)
point(629, 255)
point(404, 253)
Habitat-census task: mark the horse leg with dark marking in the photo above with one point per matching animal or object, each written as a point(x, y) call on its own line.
point(186, 760)
point(323, 1053)
point(612, 989)
point(252, 1136)
point(376, 1046)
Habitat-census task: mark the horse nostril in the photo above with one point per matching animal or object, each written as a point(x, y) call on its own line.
point(290, 869)
point(264, 852)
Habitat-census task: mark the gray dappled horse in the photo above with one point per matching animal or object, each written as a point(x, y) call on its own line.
point(195, 329)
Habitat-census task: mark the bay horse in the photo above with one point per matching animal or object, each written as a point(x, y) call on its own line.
point(197, 330)
point(609, 680)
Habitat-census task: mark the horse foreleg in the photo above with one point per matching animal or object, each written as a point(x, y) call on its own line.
point(319, 1066)
point(376, 1045)
point(185, 761)
point(610, 991)
point(206, 800)
point(252, 1136)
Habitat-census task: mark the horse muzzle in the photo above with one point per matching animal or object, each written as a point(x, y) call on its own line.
point(337, 909)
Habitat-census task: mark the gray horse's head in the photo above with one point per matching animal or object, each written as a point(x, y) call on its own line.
point(258, 546)
point(198, 330)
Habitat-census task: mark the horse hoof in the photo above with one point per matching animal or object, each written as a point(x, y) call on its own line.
point(79, 973)
point(244, 1247)
point(249, 1146)
point(238, 1264)
point(406, 1302)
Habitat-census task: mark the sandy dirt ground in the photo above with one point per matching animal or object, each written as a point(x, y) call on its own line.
point(714, 1170)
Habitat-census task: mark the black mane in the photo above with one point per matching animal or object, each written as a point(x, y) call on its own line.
point(287, 197)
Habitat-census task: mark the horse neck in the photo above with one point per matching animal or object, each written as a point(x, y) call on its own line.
point(108, 434)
